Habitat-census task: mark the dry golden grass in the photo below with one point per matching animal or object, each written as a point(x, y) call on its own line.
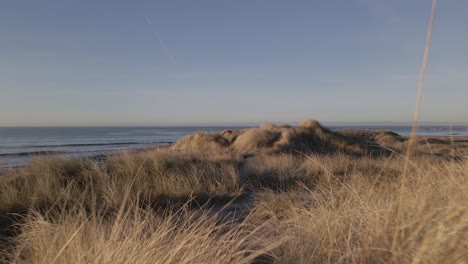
point(314, 196)
point(308, 137)
point(43, 181)
point(353, 221)
point(164, 173)
point(147, 174)
point(136, 236)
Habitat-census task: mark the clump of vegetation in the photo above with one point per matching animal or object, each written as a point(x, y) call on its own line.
point(273, 194)
point(356, 221)
point(308, 137)
point(146, 175)
point(134, 235)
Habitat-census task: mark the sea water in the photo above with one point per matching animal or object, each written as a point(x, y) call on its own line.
point(19, 144)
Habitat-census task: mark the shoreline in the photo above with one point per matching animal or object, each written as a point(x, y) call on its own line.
point(98, 157)
point(461, 140)
point(286, 183)
point(455, 139)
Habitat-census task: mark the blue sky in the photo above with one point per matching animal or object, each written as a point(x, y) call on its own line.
point(229, 61)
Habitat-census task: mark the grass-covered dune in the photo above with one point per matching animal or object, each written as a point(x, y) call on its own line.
point(273, 194)
point(308, 137)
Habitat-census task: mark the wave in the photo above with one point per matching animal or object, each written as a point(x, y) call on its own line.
point(32, 153)
point(94, 144)
point(72, 150)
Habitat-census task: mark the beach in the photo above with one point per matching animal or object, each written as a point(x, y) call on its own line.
point(18, 145)
point(255, 195)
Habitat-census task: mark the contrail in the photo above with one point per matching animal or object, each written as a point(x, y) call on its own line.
point(166, 49)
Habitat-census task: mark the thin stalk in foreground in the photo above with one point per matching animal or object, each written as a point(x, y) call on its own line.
point(414, 128)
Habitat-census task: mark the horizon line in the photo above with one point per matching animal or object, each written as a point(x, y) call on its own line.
point(248, 124)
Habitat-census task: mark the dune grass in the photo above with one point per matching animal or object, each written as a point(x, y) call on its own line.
point(310, 195)
point(353, 221)
point(309, 136)
point(149, 174)
point(135, 235)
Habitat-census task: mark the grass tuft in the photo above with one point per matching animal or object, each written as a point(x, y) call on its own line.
point(273, 194)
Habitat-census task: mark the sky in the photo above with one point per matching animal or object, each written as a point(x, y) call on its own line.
point(189, 62)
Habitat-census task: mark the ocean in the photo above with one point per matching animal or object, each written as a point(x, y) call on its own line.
point(19, 144)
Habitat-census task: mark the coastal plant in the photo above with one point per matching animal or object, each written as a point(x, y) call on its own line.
point(136, 235)
point(179, 205)
point(353, 221)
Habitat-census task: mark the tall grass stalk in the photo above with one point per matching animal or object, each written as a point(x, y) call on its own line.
point(414, 128)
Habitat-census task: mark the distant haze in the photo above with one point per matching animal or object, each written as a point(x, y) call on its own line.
point(178, 62)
